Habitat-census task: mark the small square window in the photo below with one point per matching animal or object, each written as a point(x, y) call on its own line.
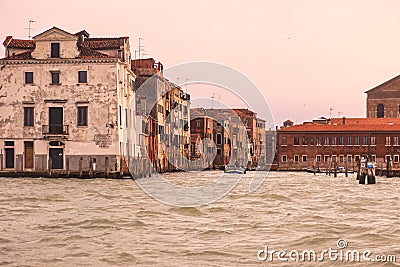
point(28, 77)
point(304, 158)
point(82, 76)
point(284, 158)
point(55, 77)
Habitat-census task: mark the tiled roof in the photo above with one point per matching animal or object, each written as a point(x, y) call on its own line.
point(103, 43)
point(360, 124)
point(24, 55)
point(90, 53)
point(10, 42)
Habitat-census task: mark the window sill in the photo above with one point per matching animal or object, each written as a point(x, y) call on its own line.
point(82, 126)
point(55, 83)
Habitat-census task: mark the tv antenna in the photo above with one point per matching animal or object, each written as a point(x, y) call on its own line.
point(140, 46)
point(30, 28)
point(330, 112)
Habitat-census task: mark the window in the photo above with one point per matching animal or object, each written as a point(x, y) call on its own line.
point(365, 140)
point(82, 116)
point(341, 158)
point(55, 77)
point(304, 158)
point(296, 158)
point(120, 115)
point(8, 143)
point(333, 158)
point(396, 158)
point(82, 76)
point(387, 141)
point(219, 139)
point(218, 151)
point(357, 158)
point(311, 141)
point(380, 111)
point(55, 50)
point(388, 158)
point(28, 77)
point(304, 141)
point(318, 141)
point(349, 141)
point(159, 108)
point(357, 141)
point(284, 158)
point(334, 141)
point(318, 158)
point(373, 158)
point(373, 141)
point(296, 141)
point(326, 158)
point(28, 116)
point(284, 141)
point(396, 141)
point(326, 141)
point(349, 158)
point(341, 140)
point(126, 117)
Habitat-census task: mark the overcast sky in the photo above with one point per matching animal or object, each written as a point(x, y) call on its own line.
point(305, 56)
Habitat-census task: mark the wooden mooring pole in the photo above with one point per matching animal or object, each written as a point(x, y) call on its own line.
point(106, 166)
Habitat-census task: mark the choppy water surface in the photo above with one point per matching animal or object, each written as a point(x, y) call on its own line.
point(102, 222)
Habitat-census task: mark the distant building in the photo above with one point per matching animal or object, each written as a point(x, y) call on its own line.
point(64, 97)
point(383, 101)
point(238, 134)
point(165, 134)
point(338, 140)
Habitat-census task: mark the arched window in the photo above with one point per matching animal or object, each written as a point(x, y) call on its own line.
point(380, 111)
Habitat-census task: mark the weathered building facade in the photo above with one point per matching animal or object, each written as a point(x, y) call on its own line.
point(65, 101)
point(383, 101)
point(338, 140)
point(229, 133)
point(166, 128)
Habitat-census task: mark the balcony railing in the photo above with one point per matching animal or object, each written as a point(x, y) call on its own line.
point(55, 129)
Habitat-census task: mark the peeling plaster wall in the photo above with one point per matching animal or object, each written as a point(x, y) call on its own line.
point(102, 94)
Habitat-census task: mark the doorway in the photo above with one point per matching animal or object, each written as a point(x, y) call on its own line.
point(29, 154)
point(9, 158)
point(57, 158)
point(56, 120)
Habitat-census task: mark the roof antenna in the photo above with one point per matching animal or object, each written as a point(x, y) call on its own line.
point(330, 112)
point(140, 47)
point(29, 29)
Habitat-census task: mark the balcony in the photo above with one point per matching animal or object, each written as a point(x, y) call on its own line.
point(185, 96)
point(54, 130)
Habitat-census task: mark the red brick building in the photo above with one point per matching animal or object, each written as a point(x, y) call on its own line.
point(338, 140)
point(383, 101)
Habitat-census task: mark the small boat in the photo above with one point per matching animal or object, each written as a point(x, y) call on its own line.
point(234, 168)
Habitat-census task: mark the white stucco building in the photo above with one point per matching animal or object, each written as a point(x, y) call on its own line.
point(65, 97)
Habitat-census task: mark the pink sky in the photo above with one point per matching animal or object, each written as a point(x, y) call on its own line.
point(305, 56)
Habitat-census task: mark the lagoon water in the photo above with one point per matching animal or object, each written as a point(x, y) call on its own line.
point(100, 222)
